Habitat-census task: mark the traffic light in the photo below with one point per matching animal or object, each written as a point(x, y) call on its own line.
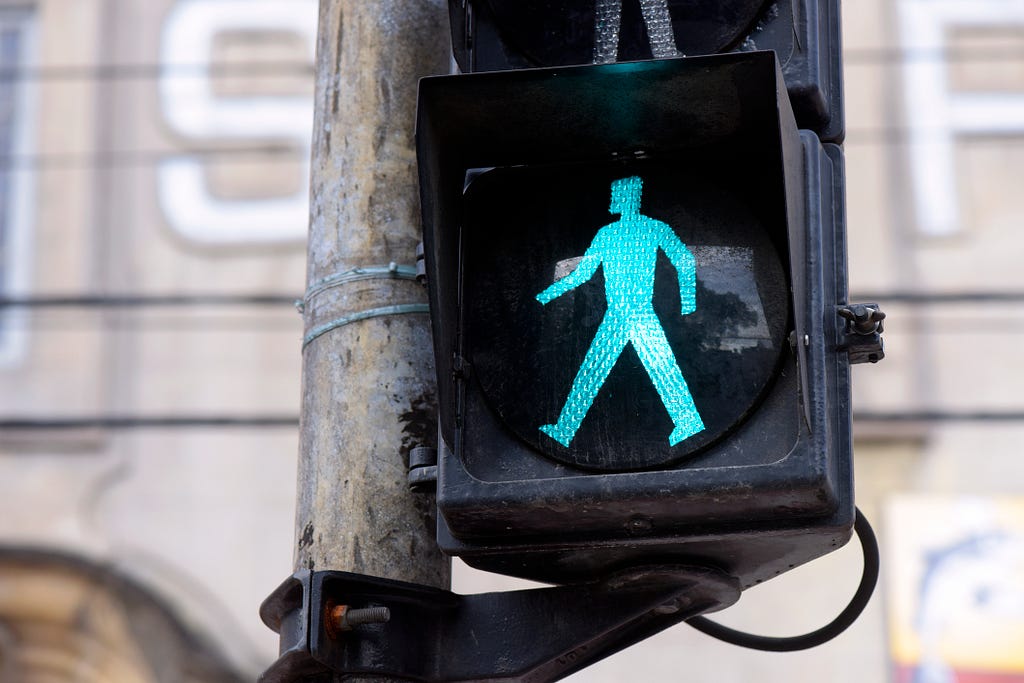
point(634, 273)
point(489, 35)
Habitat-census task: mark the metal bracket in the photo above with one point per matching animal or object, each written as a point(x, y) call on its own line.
point(423, 469)
point(421, 265)
point(436, 636)
point(862, 335)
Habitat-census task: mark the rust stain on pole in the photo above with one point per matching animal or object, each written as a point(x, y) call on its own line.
point(368, 387)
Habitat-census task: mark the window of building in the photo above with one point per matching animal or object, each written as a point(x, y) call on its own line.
point(16, 201)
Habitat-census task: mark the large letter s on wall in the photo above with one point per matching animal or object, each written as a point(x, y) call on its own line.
point(193, 110)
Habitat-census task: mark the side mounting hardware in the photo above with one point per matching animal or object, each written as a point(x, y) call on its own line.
point(862, 335)
point(418, 633)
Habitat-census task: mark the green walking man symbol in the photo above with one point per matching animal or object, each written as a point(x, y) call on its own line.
point(627, 250)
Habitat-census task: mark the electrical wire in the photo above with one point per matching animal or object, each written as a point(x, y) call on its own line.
point(155, 70)
point(282, 153)
point(868, 580)
point(901, 135)
point(143, 71)
point(173, 300)
point(896, 55)
point(965, 297)
point(149, 422)
point(125, 422)
point(179, 299)
point(942, 416)
point(151, 157)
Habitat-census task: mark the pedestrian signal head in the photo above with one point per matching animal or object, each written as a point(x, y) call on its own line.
point(618, 388)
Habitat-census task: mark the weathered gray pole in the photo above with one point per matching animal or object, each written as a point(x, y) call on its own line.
point(368, 372)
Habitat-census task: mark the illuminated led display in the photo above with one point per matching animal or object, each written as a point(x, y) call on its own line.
point(618, 316)
point(627, 250)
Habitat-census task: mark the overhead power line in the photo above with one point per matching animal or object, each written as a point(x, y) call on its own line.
point(151, 157)
point(278, 153)
point(185, 300)
point(144, 71)
point(897, 55)
point(902, 135)
point(149, 422)
point(283, 68)
point(176, 300)
point(129, 422)
point(941, 416)
point(976, 297)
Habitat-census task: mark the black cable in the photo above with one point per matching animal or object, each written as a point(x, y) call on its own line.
point(150, 422)
point(178, 299)
point(266, 153)
point(172, 300)
point(153, 70)
point(868, 579)
point(901, 135)
point(289, 154)
point(976, 297)
point(178, 422)
point(942, 416)
point(278, 153)
point(110, 72)
point(898, 55)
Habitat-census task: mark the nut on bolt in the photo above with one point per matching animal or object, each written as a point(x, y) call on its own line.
point(342, 618)
point(863, 318)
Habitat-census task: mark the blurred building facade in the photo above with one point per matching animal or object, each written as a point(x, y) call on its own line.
point(153, 178)
point(153, 149)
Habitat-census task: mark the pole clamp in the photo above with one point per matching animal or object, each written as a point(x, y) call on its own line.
point(411, 632)
point(392, 271)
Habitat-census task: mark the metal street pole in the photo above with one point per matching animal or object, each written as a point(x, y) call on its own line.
point(368, 393)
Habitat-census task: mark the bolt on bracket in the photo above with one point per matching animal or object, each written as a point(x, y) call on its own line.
point(861, 336)
point(422, 477)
